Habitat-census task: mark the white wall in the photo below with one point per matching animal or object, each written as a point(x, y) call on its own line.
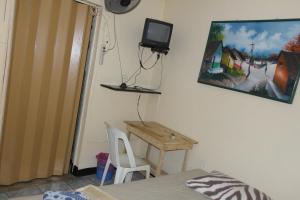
point(250, 138)
point(107, 105)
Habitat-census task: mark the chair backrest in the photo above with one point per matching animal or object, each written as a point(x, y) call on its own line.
point(114, 135)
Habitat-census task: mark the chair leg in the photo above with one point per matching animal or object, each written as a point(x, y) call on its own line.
point(148, 173)
point(123, 176)
point(118, 175)
point(105, 171)
point(128, 177)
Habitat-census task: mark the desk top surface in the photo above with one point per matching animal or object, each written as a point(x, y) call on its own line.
point(160, 136)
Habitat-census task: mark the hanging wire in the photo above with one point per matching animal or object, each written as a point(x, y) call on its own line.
point(138, 69)
point(119, 55)
point(142, 66)
point(161, 74)
point(138, 110)
point(106, 27)
point(115, 44)
point(142, 63)
point(115, 34)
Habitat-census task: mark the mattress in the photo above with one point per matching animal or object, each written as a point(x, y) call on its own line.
point(170, 187)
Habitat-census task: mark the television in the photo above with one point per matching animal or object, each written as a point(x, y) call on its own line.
point(157, 35)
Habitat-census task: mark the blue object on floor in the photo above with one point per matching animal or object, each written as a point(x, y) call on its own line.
point(101, 162)
point(64, 196)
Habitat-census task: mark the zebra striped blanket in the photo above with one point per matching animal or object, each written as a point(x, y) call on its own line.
point(218, 186)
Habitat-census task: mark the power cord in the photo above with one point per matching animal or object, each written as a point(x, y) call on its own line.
point(140, 56)
point(138, 111)
point(161, 74)
point(115, 44)
point(120, 60)
point(142, 66)
point(115, 35)
point(151, 67)
point(139, 69)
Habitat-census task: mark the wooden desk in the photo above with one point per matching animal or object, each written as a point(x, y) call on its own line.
point(162, 138)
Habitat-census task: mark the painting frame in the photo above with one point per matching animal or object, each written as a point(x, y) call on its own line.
point(273, 89)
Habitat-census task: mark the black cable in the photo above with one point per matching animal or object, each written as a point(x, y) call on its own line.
point(161, 74)
point(135, 77)
point(138, 70)
point(151, 67)
point(144, 68)
point(138, 111)
point(141, 59)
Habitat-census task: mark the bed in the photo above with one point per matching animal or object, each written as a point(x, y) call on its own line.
point(163, 188)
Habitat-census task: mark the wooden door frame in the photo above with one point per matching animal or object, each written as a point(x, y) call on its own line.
point(86, 89)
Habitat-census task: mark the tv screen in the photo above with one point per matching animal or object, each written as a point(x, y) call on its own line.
point(157, 34)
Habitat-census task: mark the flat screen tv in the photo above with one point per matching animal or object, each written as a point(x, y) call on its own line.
point(157, 35)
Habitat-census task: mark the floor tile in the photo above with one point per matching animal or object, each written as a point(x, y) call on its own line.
point(3, 197)
point(56, 183)
point(42, 181)
point(4, 189)
point(17, 186)
point(94, 179)
point(26, 191)
point(55, 186)
point(79, 182)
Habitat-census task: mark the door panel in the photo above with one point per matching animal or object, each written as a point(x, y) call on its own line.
point(48, 58)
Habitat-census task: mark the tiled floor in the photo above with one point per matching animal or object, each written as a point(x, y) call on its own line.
point(65, 183)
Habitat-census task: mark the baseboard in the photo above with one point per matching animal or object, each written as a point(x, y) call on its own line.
point(83, 172)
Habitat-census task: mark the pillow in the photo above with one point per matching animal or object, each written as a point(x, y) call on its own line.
point(218, 186)
point(64, 196)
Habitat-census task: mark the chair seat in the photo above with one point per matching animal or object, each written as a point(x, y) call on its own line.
point(124, 162)
point(121, 161)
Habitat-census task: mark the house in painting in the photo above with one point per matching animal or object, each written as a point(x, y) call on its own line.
point(238, 61)
point(213, 57)
point(232, 58)
point(286, 72)
point(227, 58)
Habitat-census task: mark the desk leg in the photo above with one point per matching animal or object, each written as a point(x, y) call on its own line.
point(185, 160)
point(148, 152)
point(160, 163)
point(128, 136)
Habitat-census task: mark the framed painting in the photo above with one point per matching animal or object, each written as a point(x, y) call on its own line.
point(259, 57)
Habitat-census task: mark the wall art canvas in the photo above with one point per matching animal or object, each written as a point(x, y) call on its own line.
point(261, 58)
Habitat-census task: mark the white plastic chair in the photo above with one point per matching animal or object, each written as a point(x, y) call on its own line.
point(126, 163)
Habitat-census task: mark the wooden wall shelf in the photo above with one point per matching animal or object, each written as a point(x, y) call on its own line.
point(130, 89)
